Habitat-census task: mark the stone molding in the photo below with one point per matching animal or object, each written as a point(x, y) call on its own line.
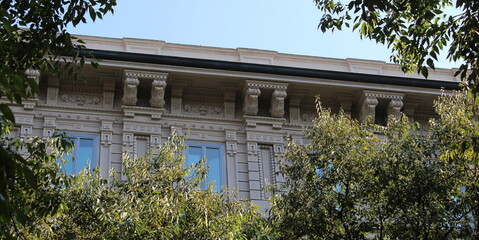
point(253, 121)
point(383, 95)
point(266, 85)
point(77, 107)
point(132, 111)
point(145, 75)
point(200, 117)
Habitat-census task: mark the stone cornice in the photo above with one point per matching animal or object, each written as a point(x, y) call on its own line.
point(154, 47)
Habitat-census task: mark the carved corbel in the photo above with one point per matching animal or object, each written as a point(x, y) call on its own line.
point(130, 90)
point(35, 75)
point(277, 103)
point(251, 101)
point(368, 109)
point(394, 108)
point(158, 93)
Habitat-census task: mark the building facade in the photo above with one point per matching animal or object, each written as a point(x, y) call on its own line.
point(239, 105)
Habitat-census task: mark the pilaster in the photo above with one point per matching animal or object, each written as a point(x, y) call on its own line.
point(49, 126)
point(264, 136)
point(176, 99)
point(105, 148)
point(231, 142)
point(229, 104)
point(52, 91)
point(294, 109)
point(108, 90)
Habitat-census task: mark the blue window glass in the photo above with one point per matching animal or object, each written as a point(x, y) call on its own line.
point(214, 156)
point(84, 154)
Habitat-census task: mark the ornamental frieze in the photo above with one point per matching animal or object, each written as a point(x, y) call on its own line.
point(80, 99)
point(203, 109)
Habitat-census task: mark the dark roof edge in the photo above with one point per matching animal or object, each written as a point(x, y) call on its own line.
point(269, 69)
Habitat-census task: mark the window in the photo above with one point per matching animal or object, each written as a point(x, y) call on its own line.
point(84, 154)
point(214, 155)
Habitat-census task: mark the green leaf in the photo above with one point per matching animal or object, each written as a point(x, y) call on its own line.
point(424, 72)
point(7, 112)
point(430, 63)
point(92, 12)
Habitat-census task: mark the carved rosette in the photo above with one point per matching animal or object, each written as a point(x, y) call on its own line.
point(158, 93)
point(80, 99)
point(308, 117)
point(203, 109)
point(251, 101)
point(277, 103)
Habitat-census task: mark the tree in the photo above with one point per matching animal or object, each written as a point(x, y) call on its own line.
point(416, 31)
point(33, 37)
point(159, 198)
point(359, 181)
point(34, 190)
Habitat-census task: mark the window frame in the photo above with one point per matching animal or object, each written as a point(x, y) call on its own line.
point(222, 161)
point(75, 151)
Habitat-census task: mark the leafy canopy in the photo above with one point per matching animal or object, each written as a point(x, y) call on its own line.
point(33, 38)
point(360, 181)
point(158, 198)
point(416, 31)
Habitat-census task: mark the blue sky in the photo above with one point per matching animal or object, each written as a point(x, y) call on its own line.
point(286, 26)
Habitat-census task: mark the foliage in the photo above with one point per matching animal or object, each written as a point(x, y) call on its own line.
point(158, 198)
point(358, 181)
point(31, 184)
point(33, 36)
point(416, 31)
